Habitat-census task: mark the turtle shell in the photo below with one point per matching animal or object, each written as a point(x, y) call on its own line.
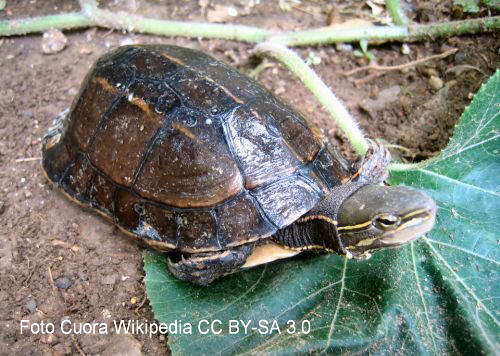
point(186, 152)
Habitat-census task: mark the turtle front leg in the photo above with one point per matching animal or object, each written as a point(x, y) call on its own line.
point(203, 268)
point(372, 168)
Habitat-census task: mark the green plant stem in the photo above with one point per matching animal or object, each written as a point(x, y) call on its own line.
point(311, 80)
point(385, 33)
point(396, 12)
point(398, 167)
point(93, 16)
point(66, 21)
point(136, 23)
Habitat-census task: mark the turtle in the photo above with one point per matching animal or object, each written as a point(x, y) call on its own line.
point(201, 162)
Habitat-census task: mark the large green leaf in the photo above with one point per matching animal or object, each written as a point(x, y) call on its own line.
point(437, 295)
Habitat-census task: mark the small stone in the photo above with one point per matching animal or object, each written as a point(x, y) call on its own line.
point(30, 305)
point(221, 13)
point(86, 50)
point(435, 83)
point(405, 49)
point(133, 300)
point(109, 279)
point(384, 98)
point(53, 41)
point(460, 58)
point(123, 344)
point(72, 92)
point(28, 114)
point(129, 41)
point(344, 47)
point(63, 283)
point(83, 276)
point(431, 72)
point(50, 339)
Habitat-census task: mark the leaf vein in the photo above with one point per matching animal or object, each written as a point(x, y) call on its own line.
point(455, 181)
point(465, 251)
point(337, 307)
point(461, 281)
point(421, 294)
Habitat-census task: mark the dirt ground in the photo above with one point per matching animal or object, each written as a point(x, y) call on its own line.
point(58, 261)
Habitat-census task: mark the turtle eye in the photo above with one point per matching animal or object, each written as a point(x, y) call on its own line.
point(387, 221)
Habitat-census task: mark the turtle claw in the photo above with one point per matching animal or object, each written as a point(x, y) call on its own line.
point(372, 168)
point(203, 268)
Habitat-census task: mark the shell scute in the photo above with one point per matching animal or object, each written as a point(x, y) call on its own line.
point(197, 230)
point(101, 194)
point(120, 144)
point(240, 221)
point(259, 148)
point(189, 166)
point(286, 200)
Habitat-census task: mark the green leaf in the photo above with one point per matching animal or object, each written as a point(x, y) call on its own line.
point(438, 295)
point(364, 45)
point(465, 182)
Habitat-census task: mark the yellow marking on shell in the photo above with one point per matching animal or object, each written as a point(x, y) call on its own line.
point(178, 61)
point(141, 104)
point(242, 242)
point(52, 142)
point(316, 132)
point(317, 217)
point(226, 90)
point(105, 84)
point(173, 59)
point(351, 227)
point(185, 131)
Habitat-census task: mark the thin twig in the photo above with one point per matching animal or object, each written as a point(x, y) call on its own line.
point(368, 78)
point(51, 279)
point(402, 66)
point(28, 159)
point(141, 304)
point(77, 345)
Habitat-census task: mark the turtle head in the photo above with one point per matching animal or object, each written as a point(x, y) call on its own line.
point(377, 217)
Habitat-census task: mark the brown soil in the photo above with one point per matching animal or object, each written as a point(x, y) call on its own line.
point(47, 241)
